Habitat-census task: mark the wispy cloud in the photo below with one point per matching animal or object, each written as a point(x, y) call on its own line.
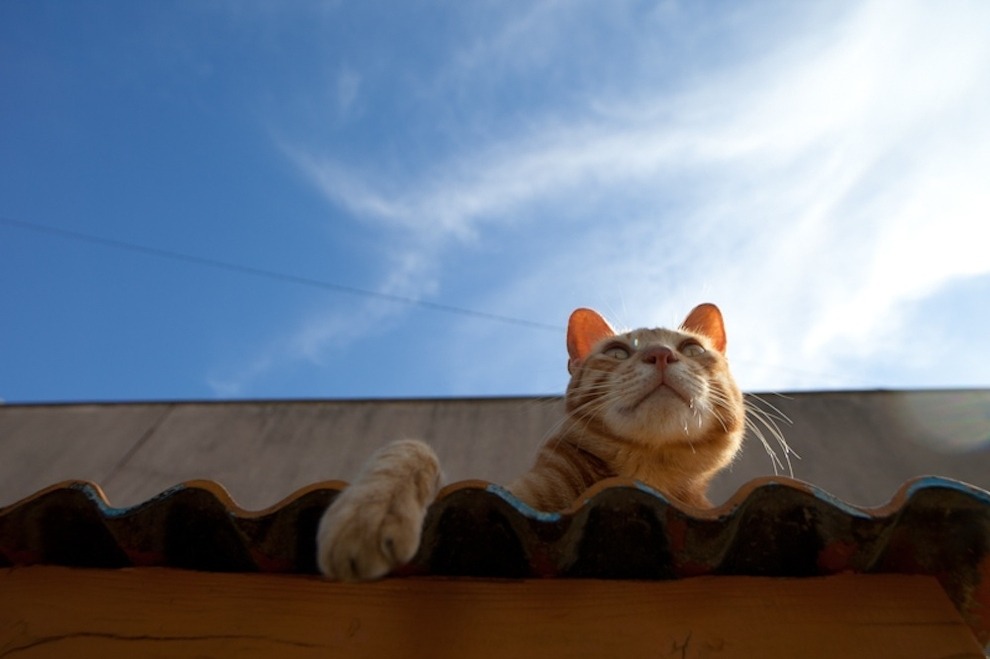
point(813, 190)
point(348, 86)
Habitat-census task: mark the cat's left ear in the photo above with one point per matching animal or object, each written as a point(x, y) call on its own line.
point(707, 319)
point(584, 329)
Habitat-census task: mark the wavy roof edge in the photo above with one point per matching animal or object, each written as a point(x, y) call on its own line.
point(772, 526)
point(95, 493)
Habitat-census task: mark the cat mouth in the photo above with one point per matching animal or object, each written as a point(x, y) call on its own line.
point(663, 389)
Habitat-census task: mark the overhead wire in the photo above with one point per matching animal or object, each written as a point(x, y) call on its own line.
point(275, 275)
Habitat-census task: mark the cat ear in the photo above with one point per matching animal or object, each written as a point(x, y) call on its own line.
point(707, 319)
point(584, 329)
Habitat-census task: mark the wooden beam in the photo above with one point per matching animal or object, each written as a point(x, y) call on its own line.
point(64, 612)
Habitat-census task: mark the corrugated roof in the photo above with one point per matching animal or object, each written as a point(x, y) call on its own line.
point(770, 527)
point(859, 446)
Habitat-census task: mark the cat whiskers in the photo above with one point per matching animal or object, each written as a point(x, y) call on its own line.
point(556, 427)
point(604, 400)
point(767, 418)
point(586, 411)
point(719, 403)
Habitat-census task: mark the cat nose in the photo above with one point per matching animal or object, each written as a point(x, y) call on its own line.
point(659, 356)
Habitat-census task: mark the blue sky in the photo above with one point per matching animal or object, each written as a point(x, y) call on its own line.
point(182, 184)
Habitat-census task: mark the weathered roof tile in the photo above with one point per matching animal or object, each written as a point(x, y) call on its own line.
point(620, 529)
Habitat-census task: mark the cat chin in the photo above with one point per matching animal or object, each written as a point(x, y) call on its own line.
point(664, 417)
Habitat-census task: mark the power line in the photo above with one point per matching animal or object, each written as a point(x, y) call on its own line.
point(121, 245)
point(274, 275)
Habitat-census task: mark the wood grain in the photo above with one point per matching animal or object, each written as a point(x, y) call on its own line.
point(61, 612)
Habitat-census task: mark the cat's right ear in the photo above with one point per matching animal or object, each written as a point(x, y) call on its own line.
point(584, 329)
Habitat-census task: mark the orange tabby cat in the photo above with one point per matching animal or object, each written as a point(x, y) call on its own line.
point(657, 405)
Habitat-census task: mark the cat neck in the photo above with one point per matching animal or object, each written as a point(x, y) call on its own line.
point(680, 470)
point(581, 454)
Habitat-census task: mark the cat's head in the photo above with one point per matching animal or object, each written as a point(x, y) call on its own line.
point(655, 387)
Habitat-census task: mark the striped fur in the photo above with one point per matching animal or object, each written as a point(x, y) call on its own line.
point(655, 405)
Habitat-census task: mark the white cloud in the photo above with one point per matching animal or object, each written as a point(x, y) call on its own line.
point(813, 192)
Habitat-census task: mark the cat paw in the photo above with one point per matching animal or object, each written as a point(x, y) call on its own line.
point(374, 525)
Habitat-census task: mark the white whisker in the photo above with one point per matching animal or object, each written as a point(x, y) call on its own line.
point(759, 420)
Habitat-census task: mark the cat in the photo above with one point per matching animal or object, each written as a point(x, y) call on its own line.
point(656, 405)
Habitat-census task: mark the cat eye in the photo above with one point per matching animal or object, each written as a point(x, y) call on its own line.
point(616, 351)
point(691, 348)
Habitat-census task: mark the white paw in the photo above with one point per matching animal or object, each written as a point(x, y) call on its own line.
point(375, 524)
